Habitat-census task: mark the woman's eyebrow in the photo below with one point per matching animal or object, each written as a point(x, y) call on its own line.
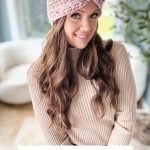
point(92, 12)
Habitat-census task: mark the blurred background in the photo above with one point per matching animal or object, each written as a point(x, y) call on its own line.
point(23, 27)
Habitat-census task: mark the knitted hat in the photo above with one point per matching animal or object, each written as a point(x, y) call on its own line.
point(59, 8)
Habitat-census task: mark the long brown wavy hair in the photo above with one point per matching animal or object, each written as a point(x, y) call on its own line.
point(59, 82)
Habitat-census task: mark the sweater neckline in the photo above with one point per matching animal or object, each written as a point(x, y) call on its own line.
point(75, 53)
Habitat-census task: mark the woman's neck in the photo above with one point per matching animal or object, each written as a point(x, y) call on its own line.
point(75, 53)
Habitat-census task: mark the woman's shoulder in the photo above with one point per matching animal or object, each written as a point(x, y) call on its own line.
point(34, 69)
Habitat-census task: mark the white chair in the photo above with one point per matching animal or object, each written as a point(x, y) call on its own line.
point(139, 68)
point(15, 59)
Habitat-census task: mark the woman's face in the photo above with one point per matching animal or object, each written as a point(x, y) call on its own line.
point(81, 25)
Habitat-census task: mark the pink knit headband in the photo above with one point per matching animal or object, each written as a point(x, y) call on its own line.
point(59, 8)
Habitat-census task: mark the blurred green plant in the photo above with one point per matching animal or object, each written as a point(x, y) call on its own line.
point(135, 14)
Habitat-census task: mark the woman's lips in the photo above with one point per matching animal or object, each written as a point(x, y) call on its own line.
point(83, 37)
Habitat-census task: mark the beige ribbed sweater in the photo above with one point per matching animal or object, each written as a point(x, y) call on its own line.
point(114, 129)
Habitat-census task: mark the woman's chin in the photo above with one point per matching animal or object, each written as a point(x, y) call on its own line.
point(80, 46)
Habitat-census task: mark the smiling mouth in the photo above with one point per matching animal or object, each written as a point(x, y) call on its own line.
point(83, 37)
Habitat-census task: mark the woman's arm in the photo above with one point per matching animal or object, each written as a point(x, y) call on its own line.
point(126, 117)
point(52, 135)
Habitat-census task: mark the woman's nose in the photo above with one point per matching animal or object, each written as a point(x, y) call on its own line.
point(86, 25)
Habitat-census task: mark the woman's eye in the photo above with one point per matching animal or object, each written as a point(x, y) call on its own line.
point(95, 15)
point(75, 15)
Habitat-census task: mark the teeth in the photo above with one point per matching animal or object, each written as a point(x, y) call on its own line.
point(81, 36)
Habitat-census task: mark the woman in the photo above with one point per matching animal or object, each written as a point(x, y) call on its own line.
point(82, 88)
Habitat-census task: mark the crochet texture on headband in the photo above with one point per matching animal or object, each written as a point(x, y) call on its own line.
point(59, 8)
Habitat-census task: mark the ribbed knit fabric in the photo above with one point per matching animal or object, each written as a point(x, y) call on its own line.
point(114, 129)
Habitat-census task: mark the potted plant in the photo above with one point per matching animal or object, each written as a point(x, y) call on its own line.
point(134, 16)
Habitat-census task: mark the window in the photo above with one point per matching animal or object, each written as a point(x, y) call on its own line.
point(34, 19)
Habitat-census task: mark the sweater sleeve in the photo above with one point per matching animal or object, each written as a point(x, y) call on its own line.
point(126, 115)
point(52, 135)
